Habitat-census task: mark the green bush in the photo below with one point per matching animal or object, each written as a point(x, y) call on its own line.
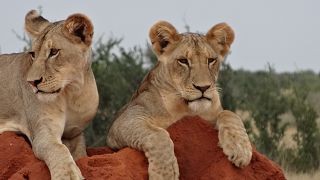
point(118, 73)
point(267, 96)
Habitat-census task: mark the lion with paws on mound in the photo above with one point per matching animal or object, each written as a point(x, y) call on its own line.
point(183, 83)
point(44, 93)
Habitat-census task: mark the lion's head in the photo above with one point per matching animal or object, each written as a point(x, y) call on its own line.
point(60, 53)
point(190, 62)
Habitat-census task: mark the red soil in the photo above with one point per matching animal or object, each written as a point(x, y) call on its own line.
point(196, 149)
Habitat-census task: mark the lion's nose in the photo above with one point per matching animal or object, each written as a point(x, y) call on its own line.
point(35, 82)
point(201, 88)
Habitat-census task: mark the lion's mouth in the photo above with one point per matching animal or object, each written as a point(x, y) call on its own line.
point(44, 92)
point(198, 99)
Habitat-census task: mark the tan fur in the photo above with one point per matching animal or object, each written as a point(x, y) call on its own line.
point(188, 64)
point(50, 94)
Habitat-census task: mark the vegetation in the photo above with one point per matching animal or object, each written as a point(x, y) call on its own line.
point(267, 96)
point(118, 73)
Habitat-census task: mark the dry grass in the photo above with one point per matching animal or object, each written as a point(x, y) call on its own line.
point(287, 140)
point(294, 176)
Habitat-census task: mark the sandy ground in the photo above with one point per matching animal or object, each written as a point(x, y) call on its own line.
point(294, 176)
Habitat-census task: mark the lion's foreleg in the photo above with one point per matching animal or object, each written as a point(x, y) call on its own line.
point(233, 138)
point(154, 141)
point(76, 146)
point(47, 146)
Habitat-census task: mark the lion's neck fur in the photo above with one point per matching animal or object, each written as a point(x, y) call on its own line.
point(83, 103)
point(161, 79)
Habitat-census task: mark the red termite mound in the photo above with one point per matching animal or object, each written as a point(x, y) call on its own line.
point(196, 148)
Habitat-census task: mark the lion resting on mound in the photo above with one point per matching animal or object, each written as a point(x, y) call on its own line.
point(183, 83)
point(44, 93)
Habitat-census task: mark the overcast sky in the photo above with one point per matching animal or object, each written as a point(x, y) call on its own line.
point(284, 33)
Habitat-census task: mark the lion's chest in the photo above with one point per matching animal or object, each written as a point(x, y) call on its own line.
point(78, 115)
point(76, 121)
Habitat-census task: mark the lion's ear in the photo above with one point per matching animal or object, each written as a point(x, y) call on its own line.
point(34, 23)
point(162, 35)
point(79, 29)
point(221, 37)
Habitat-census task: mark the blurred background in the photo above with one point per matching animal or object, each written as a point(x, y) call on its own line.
point(271, 78)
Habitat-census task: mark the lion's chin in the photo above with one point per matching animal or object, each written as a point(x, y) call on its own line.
point(47, 96)
point(200, 105)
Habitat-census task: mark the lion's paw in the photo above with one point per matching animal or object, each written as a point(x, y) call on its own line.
point(67, 171)
point(160, 170)
point(236, 145)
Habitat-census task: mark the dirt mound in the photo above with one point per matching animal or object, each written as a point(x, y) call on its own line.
point(196, 148)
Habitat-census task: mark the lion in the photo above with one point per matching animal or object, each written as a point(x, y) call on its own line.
point(49, 94)
point(183, 83)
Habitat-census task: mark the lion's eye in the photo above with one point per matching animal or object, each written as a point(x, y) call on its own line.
point(212, 61)
point(32, 54)
point(183, 61)
point(53, 52)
